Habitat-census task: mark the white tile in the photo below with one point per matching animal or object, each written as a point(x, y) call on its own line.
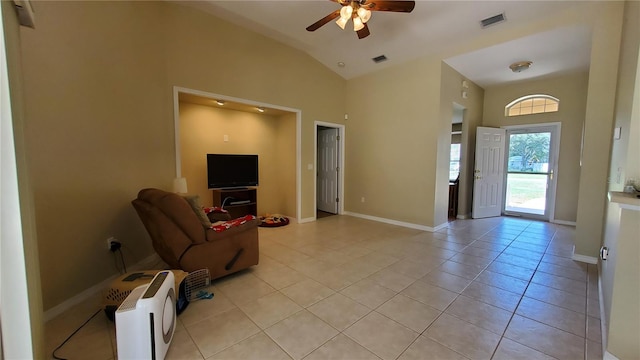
point(425, 348)
point(300, 334)
point(307, 292)
point(463, 337)
point(270, 309)
point(339, 311)
point(218, 332)
point(368, 293)
point(410, 313)
point(259, 346)
point(341, 348)
point(388, 343)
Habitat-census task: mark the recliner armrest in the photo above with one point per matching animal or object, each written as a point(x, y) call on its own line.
point(215, 236)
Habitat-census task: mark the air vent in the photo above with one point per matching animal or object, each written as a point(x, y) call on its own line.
point(379, 59)
point(492, 20)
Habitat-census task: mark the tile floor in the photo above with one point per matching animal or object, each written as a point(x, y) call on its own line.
point(348, 288)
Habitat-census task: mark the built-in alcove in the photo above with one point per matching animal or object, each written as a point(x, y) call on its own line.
point(205, 127)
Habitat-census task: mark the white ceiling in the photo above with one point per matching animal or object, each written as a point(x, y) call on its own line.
point(433, 28)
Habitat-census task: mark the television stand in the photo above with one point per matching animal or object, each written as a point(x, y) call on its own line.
point(238, 202)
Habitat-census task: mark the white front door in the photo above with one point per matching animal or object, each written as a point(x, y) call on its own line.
point(530, 182)
point(488, 172)
point(328, 170)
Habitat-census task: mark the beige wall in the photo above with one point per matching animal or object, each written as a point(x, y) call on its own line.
point(620, 277)
point(239, 63)
point(391, 143)
point(99, 120)
point(98, 129)
point(624, 164)
point(398, 155)
point(272, 138)
point(572, 92)
point(284, 194)
point(451, 90)
point(598, 129)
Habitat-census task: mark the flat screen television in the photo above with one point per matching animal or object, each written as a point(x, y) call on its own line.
point(231, 171)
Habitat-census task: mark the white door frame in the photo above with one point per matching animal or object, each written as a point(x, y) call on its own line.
point(176, 123)
point(341, 147)
point(554, 154)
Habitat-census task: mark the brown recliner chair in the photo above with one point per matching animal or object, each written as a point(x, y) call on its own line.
point(183, 242)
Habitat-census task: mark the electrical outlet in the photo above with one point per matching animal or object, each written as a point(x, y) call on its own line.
point(109, 241)
point(362, 199)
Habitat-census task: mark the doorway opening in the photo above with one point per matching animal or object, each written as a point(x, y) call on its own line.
point(515, 171)
point(530, 181)
point(329, 158)
point(456, 161)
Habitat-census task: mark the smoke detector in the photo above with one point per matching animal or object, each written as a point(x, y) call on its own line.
point(520, 66)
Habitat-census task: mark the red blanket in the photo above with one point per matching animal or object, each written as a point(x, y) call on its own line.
point(219, 227)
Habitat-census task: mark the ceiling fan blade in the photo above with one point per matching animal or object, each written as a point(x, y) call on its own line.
point(316, 25)
point(364, 32)
point(391, 5)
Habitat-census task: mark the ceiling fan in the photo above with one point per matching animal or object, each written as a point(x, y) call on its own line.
point(360, 12)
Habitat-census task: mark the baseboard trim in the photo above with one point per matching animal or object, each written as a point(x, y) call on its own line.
point(441, 226)
point(563, 222)
point(307, 220)
point(583, 258)
point(144, 264)
point(603, 320)
point(608, 356)
point(396, 222)
point(463, 217)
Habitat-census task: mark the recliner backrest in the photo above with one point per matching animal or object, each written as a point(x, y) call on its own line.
point(170, 221)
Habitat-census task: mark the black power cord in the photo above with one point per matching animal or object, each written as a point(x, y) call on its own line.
point(70, 336)
point(124, 266)
point(117, 247)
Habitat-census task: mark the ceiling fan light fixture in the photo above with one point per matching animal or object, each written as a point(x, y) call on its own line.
point(346, 12)
point(364, 14)
point(342, 22)
point(357, 24)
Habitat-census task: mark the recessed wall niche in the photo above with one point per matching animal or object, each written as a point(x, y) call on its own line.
point(208, 129)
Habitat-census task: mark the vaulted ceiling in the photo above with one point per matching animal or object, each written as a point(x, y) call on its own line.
point(441, 28)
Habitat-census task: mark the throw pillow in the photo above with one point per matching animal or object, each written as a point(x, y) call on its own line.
point(194, 202)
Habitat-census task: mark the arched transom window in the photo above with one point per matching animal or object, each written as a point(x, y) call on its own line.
point(532, 104)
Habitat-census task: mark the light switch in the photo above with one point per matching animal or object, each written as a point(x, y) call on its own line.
point(225, 138)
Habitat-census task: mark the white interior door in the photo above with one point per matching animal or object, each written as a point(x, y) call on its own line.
point(327, 170)
point(488, 172)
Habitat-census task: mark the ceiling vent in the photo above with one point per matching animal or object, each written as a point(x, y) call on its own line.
point(379, 59)
point(492, 20)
